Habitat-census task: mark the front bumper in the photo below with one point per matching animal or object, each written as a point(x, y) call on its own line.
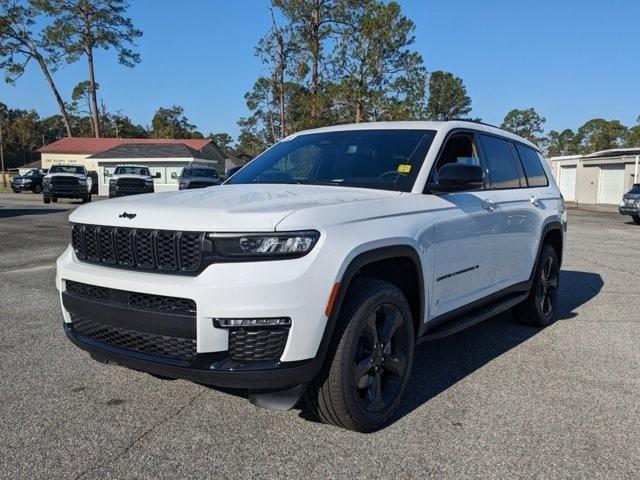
point(115, 191)
point(628, 210)
point(65, 192)
point(289, 288)
point(207, 368)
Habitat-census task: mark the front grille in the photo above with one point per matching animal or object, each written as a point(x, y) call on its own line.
point(250, 344)
point(143, 301)
point(143, 342)
point(160, 250)
point(131, 183)
point(65, 181)
point(200, 184)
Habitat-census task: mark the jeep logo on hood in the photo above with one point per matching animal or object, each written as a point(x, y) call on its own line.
point(130, 216)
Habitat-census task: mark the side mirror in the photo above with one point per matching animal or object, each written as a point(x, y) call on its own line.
point(458, 177)
point(107, 173)
point(157, 175)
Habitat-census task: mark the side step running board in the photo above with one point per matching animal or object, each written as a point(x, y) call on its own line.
point(471, 318)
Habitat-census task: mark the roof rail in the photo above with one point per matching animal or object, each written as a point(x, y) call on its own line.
point(472, 120)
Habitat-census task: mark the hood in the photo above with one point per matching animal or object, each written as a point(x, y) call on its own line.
point(227, 208)
point(131, 175)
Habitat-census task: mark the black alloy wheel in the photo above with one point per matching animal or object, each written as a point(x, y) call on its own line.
point(547, 293)
point(380, 360)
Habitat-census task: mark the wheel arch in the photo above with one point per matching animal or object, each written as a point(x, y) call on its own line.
point(364, 262)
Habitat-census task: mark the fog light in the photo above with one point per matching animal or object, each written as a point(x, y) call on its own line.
point(252, 322)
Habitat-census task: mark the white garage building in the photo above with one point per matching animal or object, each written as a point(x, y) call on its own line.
point(164, 160)
point(597, 178)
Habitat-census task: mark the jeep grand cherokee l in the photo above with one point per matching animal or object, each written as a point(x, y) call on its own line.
point(316, 269)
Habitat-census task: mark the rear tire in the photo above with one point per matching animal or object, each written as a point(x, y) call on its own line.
point(86, 198)
point(46, 200)
point(369, 361)
point(540, 307)
point(37, 189)
point(636, 219)
point(54, 199)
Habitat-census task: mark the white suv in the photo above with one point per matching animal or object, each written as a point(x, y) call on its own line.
point(319, 266)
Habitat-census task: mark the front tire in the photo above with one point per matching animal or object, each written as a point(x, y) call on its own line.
point(46, 200)
point(636, 219)
point(37, 189)
point(369, 361)
point(86, 198)
point(540, 307)
point(54, 199)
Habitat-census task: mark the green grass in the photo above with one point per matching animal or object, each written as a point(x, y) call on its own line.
point(3, 189)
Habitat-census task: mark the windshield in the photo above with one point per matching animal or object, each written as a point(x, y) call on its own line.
point(31, 173)
point(128, 170)
point(382, 159)
point(66, 169)
point(199, 172)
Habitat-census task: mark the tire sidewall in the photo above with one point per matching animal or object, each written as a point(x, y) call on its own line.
point(371, 421)
point(547, 251)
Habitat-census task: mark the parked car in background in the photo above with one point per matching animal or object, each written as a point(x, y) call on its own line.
point(32, 181)
point(198, 177)
point(314, 275)
point(231, 172)
point(67, 181)
point(130, 180)
point(630, 204)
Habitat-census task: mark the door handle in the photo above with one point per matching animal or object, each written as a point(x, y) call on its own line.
point(489, 205)
point(534, 200)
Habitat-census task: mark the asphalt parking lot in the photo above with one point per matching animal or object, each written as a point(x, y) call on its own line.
point(497, 400)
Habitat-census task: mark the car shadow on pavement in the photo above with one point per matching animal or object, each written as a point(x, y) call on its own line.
point(442, 363)
point(21, 212)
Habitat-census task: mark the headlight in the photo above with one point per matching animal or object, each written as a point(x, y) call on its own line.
point(26, 180)
point(113, 182)
point(264, 245)
point(46, 180)
point(148, 182)
point(82, 181)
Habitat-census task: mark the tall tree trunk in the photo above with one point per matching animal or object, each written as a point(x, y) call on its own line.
point(94, 97)
point(54, 89)
point(314, 40)
point(358, 118)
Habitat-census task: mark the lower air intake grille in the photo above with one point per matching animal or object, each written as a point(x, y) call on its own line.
point(142, 301)
point(249, 344)
point(143, 342)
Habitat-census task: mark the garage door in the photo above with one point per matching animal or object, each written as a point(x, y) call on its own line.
point(568, 183)
point(611, 185)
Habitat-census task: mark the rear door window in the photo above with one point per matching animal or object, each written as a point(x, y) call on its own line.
point(501, 165)
point(533, 169)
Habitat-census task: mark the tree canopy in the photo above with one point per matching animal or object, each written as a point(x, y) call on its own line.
point(447, 97)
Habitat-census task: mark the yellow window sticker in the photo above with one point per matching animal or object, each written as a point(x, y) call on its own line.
point(404, 168)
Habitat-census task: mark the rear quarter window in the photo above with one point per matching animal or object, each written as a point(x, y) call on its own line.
point(533, 169)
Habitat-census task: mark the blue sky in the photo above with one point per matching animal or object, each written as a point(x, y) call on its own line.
point(572, 60)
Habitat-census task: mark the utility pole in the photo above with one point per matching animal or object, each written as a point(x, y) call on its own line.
point(4, 177)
